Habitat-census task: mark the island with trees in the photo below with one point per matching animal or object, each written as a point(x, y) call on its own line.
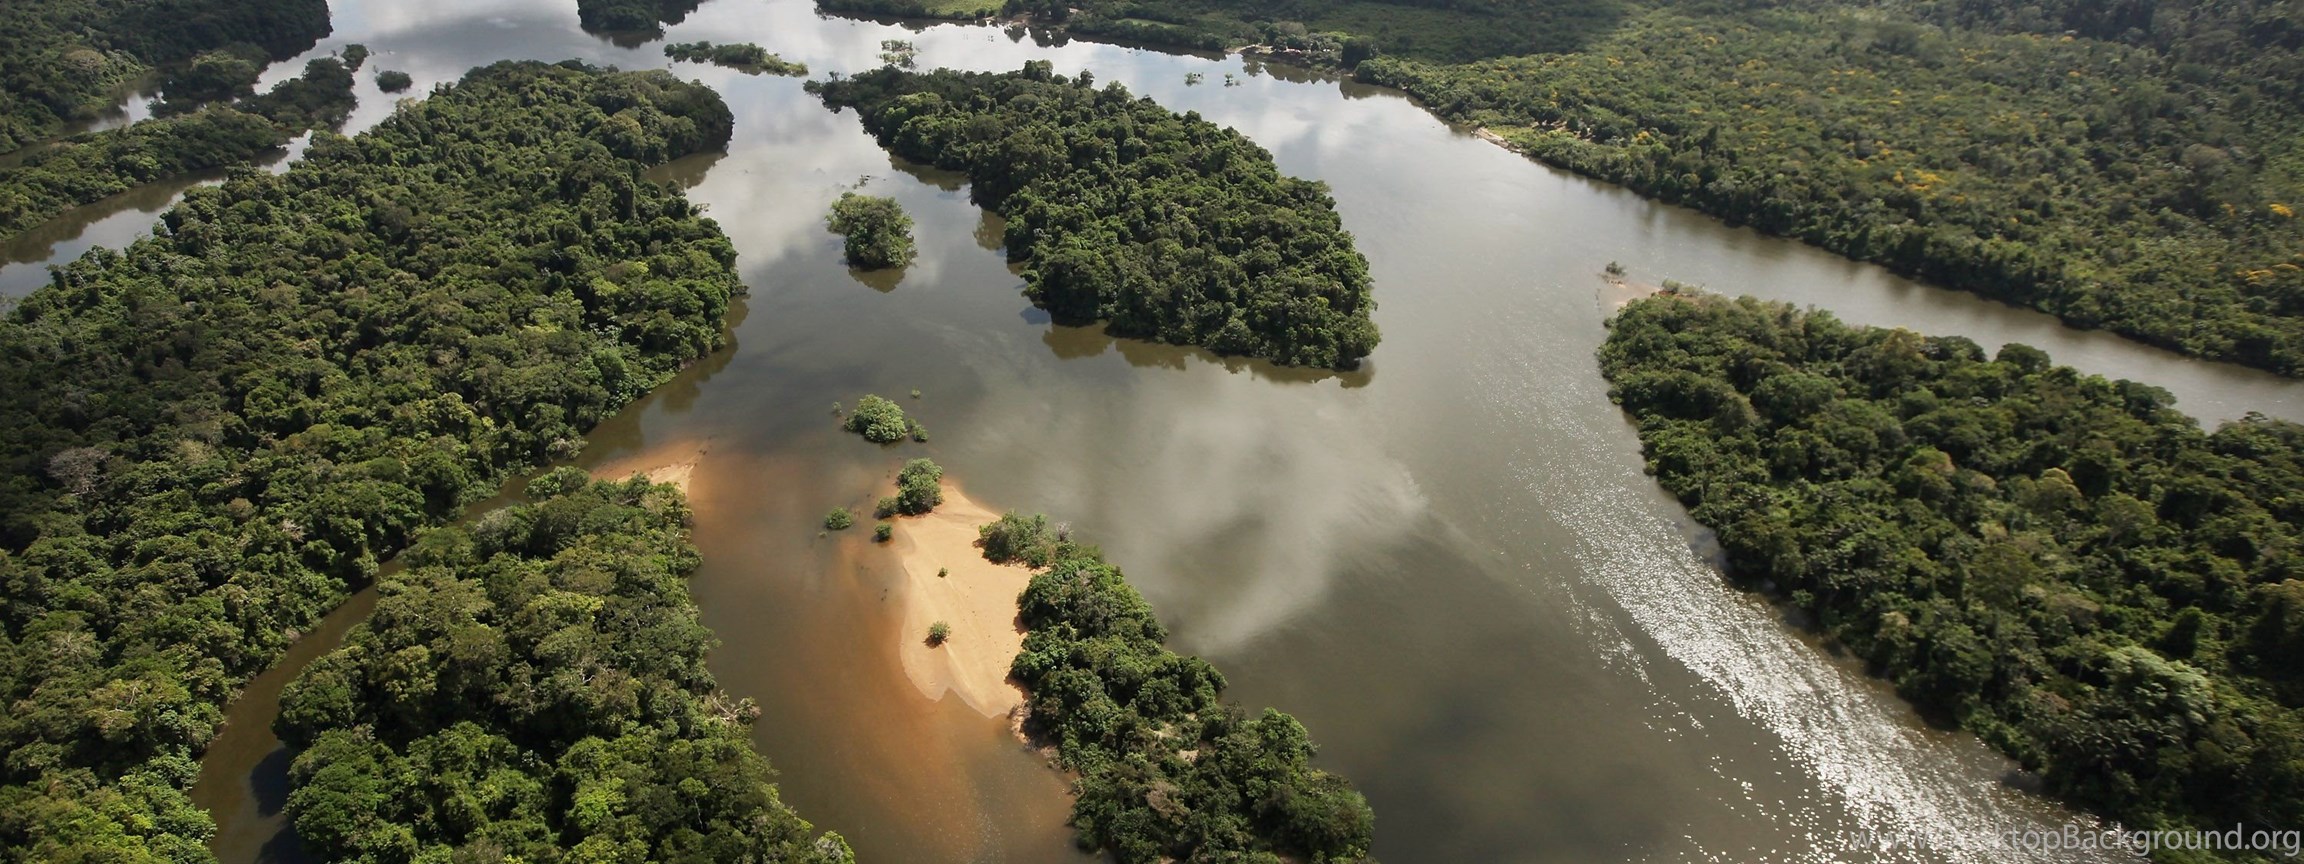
point(1168, 771)
point(1163, 226)
point(534, 685)
point(743, 57)
point(2061, 563)
point(87, 168)
point(209, 438)
point(632, 16)
point(882, 421)
point(875, 232)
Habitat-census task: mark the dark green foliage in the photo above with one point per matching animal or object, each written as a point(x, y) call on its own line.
point(208, 438)
point(1319, 32)
point(2141, 177)
point(883, 532)
point(947, 10)
point(1014, 539)
point(879, 420)
point(353, 55)
point(535, 685)
point(87, 168)
point(838, 520)
point(92, 167)
point(321, 99)
point(917, 487)
point(938, 632)
point(1165, 226)
point(875, 232)
point(632, 16)
point(2062, 563)
point(215, 76)
point(1168, 772)
point(742, 56)
point(393, 81)
point(63, 59)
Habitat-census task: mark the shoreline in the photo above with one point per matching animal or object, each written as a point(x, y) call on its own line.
point(672, 463)
point(976, 597)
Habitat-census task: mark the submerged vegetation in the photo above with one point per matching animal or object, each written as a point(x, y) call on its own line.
point(1164, 226)
point(875, 233)
point(742, 56)
point(209, 438)
point(2062, 563)
point(535, 685)
point(1168, 771)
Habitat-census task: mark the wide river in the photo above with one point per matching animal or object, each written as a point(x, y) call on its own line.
point(1449, 565)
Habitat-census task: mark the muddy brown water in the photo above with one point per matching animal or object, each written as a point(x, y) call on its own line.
point(1449, 564)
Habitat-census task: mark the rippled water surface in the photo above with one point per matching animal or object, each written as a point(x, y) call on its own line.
point(1449, 565)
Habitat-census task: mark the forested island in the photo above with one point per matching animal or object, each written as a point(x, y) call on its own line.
point(632, 16)
point(1163, 226)
point(210, 437)
point(2061, 563)
point(2121, 166)
point(875, 232)
point(534, 686)
point(743, 57)
point(1168, 771)
point(62, 60)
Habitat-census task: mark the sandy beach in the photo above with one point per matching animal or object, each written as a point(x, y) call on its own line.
point(1615, 294)
point(674, 464)
point(976, 597)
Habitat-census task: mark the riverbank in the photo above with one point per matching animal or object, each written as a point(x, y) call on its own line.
point(945, 578)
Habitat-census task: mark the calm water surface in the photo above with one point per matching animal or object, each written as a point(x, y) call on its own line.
point(1449, 565)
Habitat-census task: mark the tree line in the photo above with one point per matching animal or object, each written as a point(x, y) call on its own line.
point(1163, 226)
point(1168, 771)
point(2062, 564)
point(66, 59)
point(532, 687)
point(209, 438)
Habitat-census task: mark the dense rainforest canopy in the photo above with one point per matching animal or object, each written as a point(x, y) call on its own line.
point(2133, 166)
point(66, 59)
point(208, 438)
point(2062, 563)
point(1166, 226)
point(532, 688)
point(1168, 770)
